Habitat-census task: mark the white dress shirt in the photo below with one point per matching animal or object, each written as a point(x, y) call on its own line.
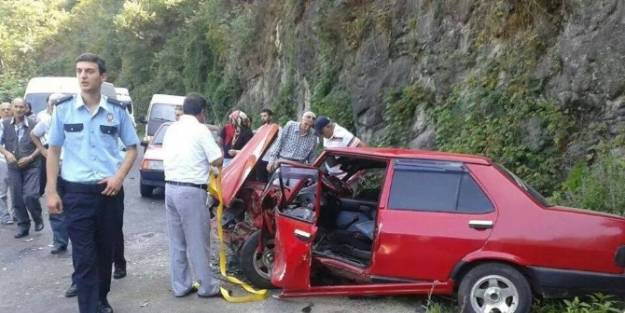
point(341, 138)
point(188, 150)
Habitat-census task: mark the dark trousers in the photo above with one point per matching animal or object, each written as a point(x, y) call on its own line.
point(92, 224)
point(118, 250)
point(42, 176)
point(25, 195)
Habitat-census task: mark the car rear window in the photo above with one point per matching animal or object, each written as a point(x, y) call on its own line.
point(524, 186)
point(438, 189)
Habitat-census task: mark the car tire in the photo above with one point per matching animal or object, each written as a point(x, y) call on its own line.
point(498, 286)
point(255, 265)
point(145, 190)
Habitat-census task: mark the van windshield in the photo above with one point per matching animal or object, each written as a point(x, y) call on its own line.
point(159, 114)
point(37, 101)
point(162, 111)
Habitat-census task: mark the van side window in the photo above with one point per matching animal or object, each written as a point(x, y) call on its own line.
point(423, 189)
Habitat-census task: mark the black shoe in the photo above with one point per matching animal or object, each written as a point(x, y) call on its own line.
point(38, 226)
point(72, 291)
point(20, 234)
point(119, 272)
point(104, 307)
point(58, 249)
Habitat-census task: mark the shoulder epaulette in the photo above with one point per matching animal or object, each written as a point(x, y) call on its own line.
point(115, 102)
point(64, 99)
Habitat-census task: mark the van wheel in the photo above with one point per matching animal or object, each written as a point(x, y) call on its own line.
point(255, 264)
point(494, 288)
point(145, 190)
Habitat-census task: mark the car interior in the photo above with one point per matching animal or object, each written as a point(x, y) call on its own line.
point(350, 191)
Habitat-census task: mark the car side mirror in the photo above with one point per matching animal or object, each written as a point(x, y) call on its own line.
point(142, 120)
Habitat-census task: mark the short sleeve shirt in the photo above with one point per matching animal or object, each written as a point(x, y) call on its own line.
point(90, 140)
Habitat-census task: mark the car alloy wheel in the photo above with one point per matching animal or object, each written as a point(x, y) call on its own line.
point(494, 288)
point(256, 264)
point(494, 294)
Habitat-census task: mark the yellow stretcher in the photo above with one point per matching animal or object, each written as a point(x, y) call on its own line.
point(214, 189)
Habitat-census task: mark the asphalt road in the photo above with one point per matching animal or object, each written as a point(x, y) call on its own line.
point(33, 281)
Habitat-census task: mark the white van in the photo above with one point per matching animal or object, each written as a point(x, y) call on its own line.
point(162, 109)
point(39, 88)
point(123, 96)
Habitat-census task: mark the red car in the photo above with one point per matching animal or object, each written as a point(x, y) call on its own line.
point(381, 221)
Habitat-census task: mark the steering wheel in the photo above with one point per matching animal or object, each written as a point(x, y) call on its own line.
point(335, 185)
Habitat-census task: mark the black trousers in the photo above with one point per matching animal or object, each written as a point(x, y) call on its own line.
point(93, 226)
point(118, 250)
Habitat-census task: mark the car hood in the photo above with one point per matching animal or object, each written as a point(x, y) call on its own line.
point(237, 171)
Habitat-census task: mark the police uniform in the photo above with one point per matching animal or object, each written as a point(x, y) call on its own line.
point(91, 153)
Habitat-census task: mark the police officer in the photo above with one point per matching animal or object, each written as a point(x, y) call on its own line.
point(88, 128)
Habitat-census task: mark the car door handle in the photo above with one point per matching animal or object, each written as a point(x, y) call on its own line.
point(302, 235)
point(480, 224)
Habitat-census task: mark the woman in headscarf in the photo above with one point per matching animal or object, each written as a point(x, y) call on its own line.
point(243, 133)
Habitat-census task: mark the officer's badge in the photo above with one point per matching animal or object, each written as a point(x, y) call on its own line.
point(109, 118)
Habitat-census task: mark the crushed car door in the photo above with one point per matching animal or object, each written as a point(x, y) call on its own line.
point(296, 230)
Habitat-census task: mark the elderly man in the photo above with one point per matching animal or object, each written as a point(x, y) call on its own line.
point(5, 215)
point(189, 152)
point(23, 163)
point(296, 142)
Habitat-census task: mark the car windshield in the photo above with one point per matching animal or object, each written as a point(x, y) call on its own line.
point(160, 134)
point(524, 186)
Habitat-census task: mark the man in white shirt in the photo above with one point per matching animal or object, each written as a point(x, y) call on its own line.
point(335, 136)
point(189, 152)
point(39, 136)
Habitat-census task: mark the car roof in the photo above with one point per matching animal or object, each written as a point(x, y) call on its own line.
point(167, 99)
point(405, 153)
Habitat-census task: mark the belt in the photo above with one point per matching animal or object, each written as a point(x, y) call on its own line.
point(177, 183)
point(68, 186)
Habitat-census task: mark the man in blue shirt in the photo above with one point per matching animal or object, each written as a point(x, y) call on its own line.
point(88, 128)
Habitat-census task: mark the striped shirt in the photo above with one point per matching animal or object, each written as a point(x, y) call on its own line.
point(293, 145)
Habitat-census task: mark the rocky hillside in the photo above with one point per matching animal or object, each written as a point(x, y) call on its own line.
point(535, 84)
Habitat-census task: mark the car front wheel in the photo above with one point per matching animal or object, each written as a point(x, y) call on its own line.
point(494, 288)
point(256, 263)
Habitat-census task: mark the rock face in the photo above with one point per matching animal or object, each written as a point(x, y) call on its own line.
point(577, 57)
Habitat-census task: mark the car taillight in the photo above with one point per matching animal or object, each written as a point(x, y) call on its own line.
point(152, 165)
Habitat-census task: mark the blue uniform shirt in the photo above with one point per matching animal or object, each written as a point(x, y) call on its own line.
point(90, 140)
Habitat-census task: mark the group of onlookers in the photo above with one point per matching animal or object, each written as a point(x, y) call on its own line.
point(85, 200)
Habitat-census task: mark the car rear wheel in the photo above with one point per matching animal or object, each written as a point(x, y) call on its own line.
point(145, 190)
point(256, 263)
point(494, 288)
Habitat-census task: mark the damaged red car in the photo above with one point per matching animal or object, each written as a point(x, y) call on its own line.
point(382, 221)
